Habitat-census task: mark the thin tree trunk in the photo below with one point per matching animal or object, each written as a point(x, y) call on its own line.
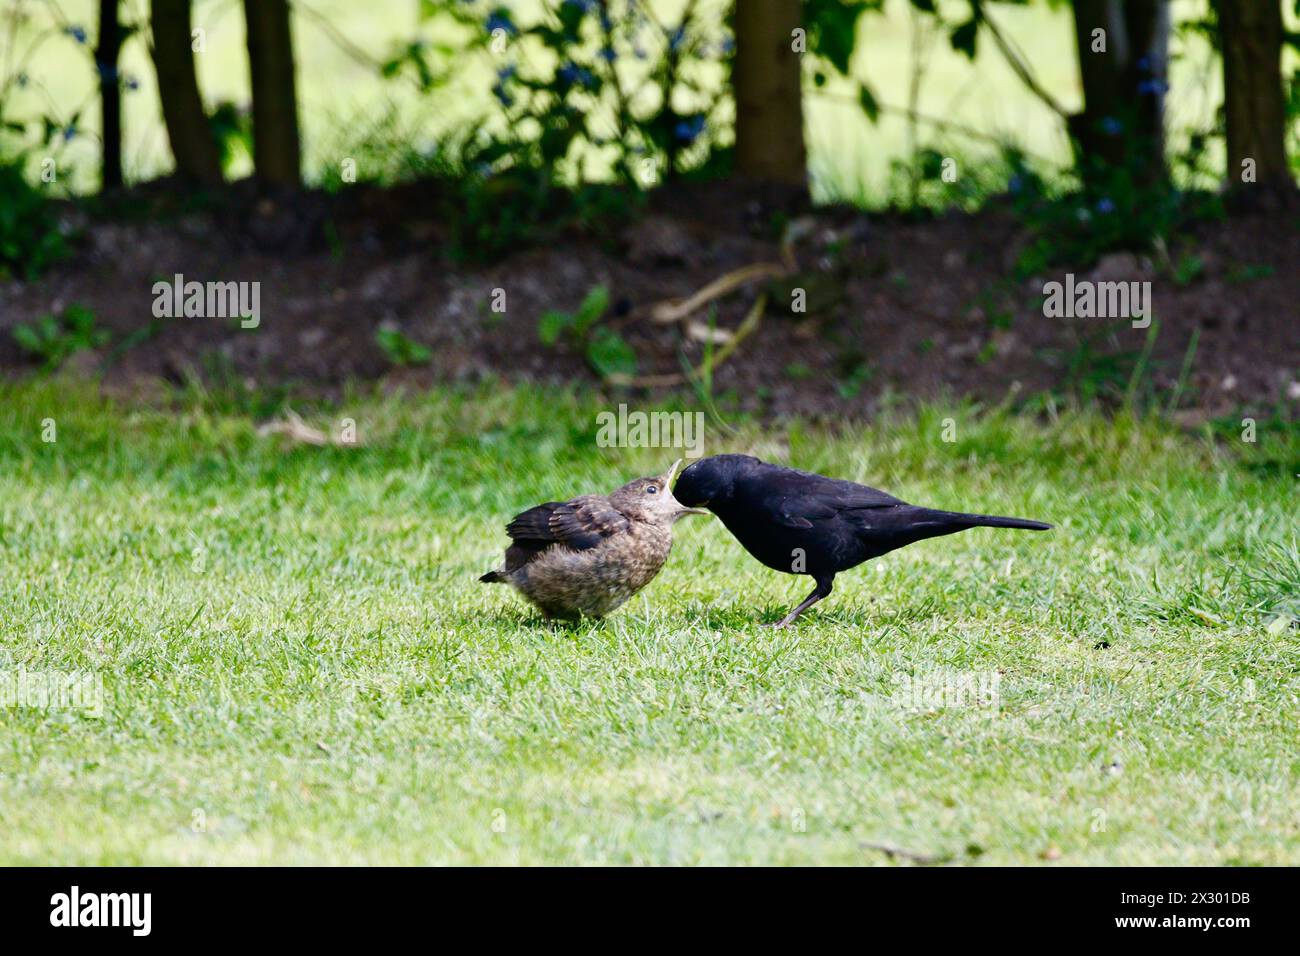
point(193, 145)
point(1251, 34)
point(110, 93)
point(276, 146)
point(1147, 73)
point(767, 83)
point(1121, 126)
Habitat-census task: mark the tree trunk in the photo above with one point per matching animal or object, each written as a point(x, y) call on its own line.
point(1121, 126)
point(110, 93)
point(1251, 35)
point(276, 147)
point(193, 145)
point(766, 80)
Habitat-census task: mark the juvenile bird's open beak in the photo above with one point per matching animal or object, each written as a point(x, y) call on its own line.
point(667, 481)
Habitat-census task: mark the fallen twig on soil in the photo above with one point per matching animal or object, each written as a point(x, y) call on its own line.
point(752, 320)
point(674, 310)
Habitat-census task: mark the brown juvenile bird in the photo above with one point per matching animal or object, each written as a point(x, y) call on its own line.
point(588, 555)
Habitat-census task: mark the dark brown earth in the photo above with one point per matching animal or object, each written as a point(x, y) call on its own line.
point(896, 307)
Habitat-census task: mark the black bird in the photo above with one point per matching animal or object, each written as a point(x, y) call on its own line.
point(590, 554)
point(801, 523)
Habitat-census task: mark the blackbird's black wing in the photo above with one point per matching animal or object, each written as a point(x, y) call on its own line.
point(799, 499)
point(578, 524)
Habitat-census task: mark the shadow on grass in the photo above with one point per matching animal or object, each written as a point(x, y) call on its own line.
point(870, 616)
point(528, 618)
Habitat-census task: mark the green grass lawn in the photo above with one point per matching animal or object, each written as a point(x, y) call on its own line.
point(299, 666)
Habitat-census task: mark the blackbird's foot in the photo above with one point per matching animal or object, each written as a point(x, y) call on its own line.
point(823, 588)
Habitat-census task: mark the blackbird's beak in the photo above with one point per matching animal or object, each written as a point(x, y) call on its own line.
point(667, 481)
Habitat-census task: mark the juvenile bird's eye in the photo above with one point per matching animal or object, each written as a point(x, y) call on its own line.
point(651, 490)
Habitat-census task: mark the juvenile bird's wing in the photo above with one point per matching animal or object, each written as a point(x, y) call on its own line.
point(578, 524)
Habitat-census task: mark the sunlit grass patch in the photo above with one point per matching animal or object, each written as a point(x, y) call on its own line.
point(299, 666)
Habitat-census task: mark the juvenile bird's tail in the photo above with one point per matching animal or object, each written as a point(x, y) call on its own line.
point(993, 521)
point(493, 577)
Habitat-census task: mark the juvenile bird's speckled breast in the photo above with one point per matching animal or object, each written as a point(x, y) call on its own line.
point(565, 583)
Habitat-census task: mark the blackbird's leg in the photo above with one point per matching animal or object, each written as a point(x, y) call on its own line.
point(823, 588)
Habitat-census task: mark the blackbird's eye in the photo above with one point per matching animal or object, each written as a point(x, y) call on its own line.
point(651, 490)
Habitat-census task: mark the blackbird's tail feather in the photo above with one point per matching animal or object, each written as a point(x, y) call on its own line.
point(991, 521)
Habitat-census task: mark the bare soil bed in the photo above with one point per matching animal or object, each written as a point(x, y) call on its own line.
point(895, 306)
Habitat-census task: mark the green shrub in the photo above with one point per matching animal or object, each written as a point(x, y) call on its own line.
point(401, 350)
point(30, 240)
point(606, 351)
point(53, 339)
